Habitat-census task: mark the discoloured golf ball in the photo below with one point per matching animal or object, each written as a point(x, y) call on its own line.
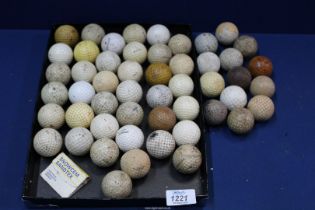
point(158, 73)
point(130, 70)
point(79, 115)
point(129, 90)
point(215, 112)
point(206, 42)
point(51, 116)
point(186, 108)
point(104, 125)
point(81, 91)
point(261, 107)
point(208, 61)
point(233, 97)
point(60, 53)
point(181, 64)
point(54, 92)
point(212, 84)
point(158, 34)
point(129, 113)
point(181, 85)
point(247, 45)
point(117, 185)
point(262, 85)
point(93, 32)
point(113, 42)
point(239, 76)
point(129, 137)
point(186, 132)
point(107, 61)
point(47, 142)
point(226, 33)
point(104, 152)
point(159, 53)
point(159, 95)
point(78, 141)
point(104, 102)
point(58, 72)
point(134, 33)
point(135, 51)
point(162, 118)
point(260, 65)
point(67, 34)
point(86, 50)
point(231, 58)
point(105, 81)
point(187, 159)
point(240, 120)
point(83, 71)
point(160, 144)
point(180, 43)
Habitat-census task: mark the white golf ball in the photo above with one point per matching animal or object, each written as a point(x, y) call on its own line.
point(107, 61)
point(206, 42)
point(186, 108)
point(233, 97)
point(93, 32)
point(129, 90)
point(104, 102)
point(135, 51)
point(129, 137)
point(181, 85)
point(134, 33)
point(231, 58)
point(160, 144)
point(60, 53)
point(78, 141)
point(54, 92)
point(180, 43)
point(182, 64)
point(58, 72)
point(208, 61)
point(104, 152)
point(159, 53)
point(83, 71)
point(81, 91)
point(51, 116)
point(186, 132)
point(113, 42)
point(159, 95)
point(129, 113)
point(47, 142)
point(158, 34)
point(104, 125)
point(130, 70)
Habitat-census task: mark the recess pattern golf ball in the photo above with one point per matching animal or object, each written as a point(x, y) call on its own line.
point(60, 53)
point(81, 91)
point(212, 84)
point(231, 58)
point(206, 42)
point(182, 64)
point(134, 33)
point(47, 142)
point(129, 90)
point(79, 115)
point(226, 33)
point(83, 71)
point(104, 152)
point(105, 81)
point(104, 102)
point(233, 97)
point(262, 85)
point(51, 116)
point(208, 61)
point(159, 53)
point(135, 51)
point(107, 61)
point(58, 72)
point(181, 85)
point(240, 120)
point(117, 185)
point(215, 112)
point(130, 70)
point(78, 141)
point(261, 107)
point(160, 144)
point(180, 43)
point(159, 95)
point(86, 50)
point(186, 108)
point(186, 132)
point(54, 92)
point(129, 137)
point(187, 159)
point(158, 34)
point(93, 32)
point(104, 125)
point(129, 113)
point(113, 42)
point(66, 34)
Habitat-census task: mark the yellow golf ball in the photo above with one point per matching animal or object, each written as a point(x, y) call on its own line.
point(158, 73)
point(79, 115)
point(86, 50)
point(67, 34)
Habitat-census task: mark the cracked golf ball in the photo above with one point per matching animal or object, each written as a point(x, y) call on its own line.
point(187, 159)
point(107, 61)
point(116, 185)
point(181, 85)
point(129, 137)
point(260, 65)
point(180, 43)
point(83, 71)
point(160, 144)
point(208, 61)
point(186, 132)
point(159, 95)
point(135, 51)
point(54, 92)
point(215, 112)
point(181, 64)
point(129, 113)
point(79, 115)
point(105, 81)
point(231, 58)
point(104, 102)
point(262, 85)
point(247, 45)
point(226, 33)
point(206, 42)
point(161, 118)
point(186, 108)
point(159, 53)
point(104, 152)
point(93, 32)
point(130, 70)
point(239, 76)
point(58, 72)
point(67, 34)
point(136, 163)
point(134, 33)
point(212, 84)
point(261, 107)
point(158, 34)
point(47, 142)
point(233, 97)
point(240, 120)
point(158, 73)
point(51, 116)
point(86, 50)
point(104, 125)
point(81, 91)
point(113, 42)
point(60, 53)
point(78, 141)
point(129, 90)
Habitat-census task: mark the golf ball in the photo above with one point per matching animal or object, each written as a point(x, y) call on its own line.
point(93, 32)
point(130, 70)
point(247, 45)
point(116, 185)
point(231, 58)
point(79, 115)
point(129, 113)
point(86, 50)
point(83, 71)
point(262, 85)
point(104, 152)
point(158, 73)
point(104, 102)
point(180, 43)
point(208, 61)
point(212, 84)
point(47, 142)
point(78, 141)
point(159, 53)
point(159, 95)
point(215, 112)
point(239, 76)
point(233, 97)
point(129, 137)
point(67, 34)
point(161, 118)
point(105, 81)
point(58, 72)
point(206, 42)
point(158, 34)
point(186, 108)
point(51, 116)
point(261, 107)
point(181, 85)
point(226, 33)
point(186, 132)
point(129, 90)
point(135, 51)
point(81, 91)
point(187, 159)
point(160, 144)
point(181, 64)
point(107, 61)
point(104, 125)
point(240, 120)
point(134, 33)
point(60, 53)
point(113, 42)
point(260, 65)
point(54, 92)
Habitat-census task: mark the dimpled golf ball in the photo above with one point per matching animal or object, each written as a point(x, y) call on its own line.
point(180, 43)
point(206, 42)
point(129, 90)
point(136, 163)
point(78, 141)
point(159, 95)
point(116, 185)
point(60, 53)
point(58, 72)
point(129, 113)
point(113, 42)
point(104, 102)
point(134, 33)
point(262, 85)
point(233, 97)
point(86, 50)
point(226, 33)
point(181, 64)
point(104, 125)
point(67, 34)
point(240, 120)
point(129, 137)
point(212, 84)
point(208, 61)
point(231, 58)
point(160, 144)
point(51, 116)
point(83, 71)
point(104, 152)
point(186, 108)
point(93, 32)
point(107, 61)
point(187, 159)
point(181, 85)
point(261, 107)
point(47, 142)
point(161, 118)
point(79, 115)
point(105, 81)
point(81, 91)
point(130, 70)
point(239, 76)
point(54, 92)
point(158, 73)
point(186, 132)
point(135, 51)
point(247, 45)
point(159, 53)
point(215, 112)
point(260, 65)
point(158, 34)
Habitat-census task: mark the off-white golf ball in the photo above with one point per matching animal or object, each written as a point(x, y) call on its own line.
point(261, 107)
point(233, 97)
point(186, 132)
point(51, 116)
point(129, 113)
point(206, 42)
point(60, 53)
point(180, 43)
point(116, 185)
point(104, 102)
point(104, 152)
point(226, 33)
point(113, 42)
point(231, 58)
point(129, 137)
point(107, 61)
point(160, 144)
point(105, 81)
point(181, 85)
point(78, 141)
point(79, 115)
point(81, 91)
point(130, 70)
point(134, 33)
point(187, 159)
point(58, 72)
point(83, 71)
point(208, 61)
point(186, 108)
point(159, 53)
point(129, 90)
point(159, 95)
point(54, 92)
point(158, 34)
point(47, 142)
point(135, 51)
point(93, 32)
point(182, 64)
point(212, 84)
point(104, 125)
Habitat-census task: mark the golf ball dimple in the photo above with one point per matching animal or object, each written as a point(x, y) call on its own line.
point(129, 137)
point(187, 159)
point(233, 97)
point(135, 51)
point(47, 142)
point(86, 50)
point(60, 53)
point(134, 33)
point(113, 42)
point(181, 64)
point(158, 34)
point(159, 95)
point(107, 61)
point(104, 152)
point(58, 72)
point(181, 85)
point(180, 43)
point(206, 42)
point(93, 32)
point(129, 113)
point(104, 125)
point(262, 85)
point(159, 53)
point(54, 92)
point(79, 115)
point(129, 90)
point(208, 61)
point(105, 81)
point(160, 144)
point(212, 84)
point(240, 120)
point(130, 70)
point(104, 102)
point(83, 71)
point(81, 91)
point(226, 33)
point(186, 108)
point(78, 141)
point(231, 58)
point(67, 34)
point(116, 185)
point(261, 107)
point(215, 112)
point(186, 132)
point(51, 116)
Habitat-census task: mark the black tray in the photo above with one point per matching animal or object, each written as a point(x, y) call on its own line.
point(148, 191)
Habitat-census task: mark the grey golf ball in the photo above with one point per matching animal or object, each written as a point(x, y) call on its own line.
point(215, 112)
point(47, 142)
point(93, 32)
point(83, 70)
point(58, 72)
point(159, 95)
point(104, 152)
point(206, 42)
point(54, 92)
point(187, 159)
point(104, 102)
point(78, 141)
point(129, 113)
point(240, 120)
point(231, 58)
point(116, 185)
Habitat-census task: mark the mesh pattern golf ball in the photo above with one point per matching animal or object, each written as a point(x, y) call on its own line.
point(161, 118)
point(159, 95)
point(105, 81)
point(129, 113)
point(212, 84)
point(104, 125)
point(187, 159)
point(117, 185)
point(54, 92)
point(182, 64)
point(135, 51)
point(104, 102)
point(79, 115)
point(208, 61)
point(240, 120)
point(66, 34)
point(206, 42)
point(226, 33)
point(83, 71)
point(81, 91)
point(160, 144)
point(47, 142)
point(159, 53)
point(180, 43)
point(58, 72)
point(247, 45)
point(261, 107)
point(104, 152)
point(233, 97)
point(262, 85)
point(51, 116)
point(129, 137)
point(181, 85)
point(215, 112)
point(158, 34)
point(186, 108)
point(107, 61)
point(134, 33)
point(60, 53)
point(158, 73)
point(130, 70)
point(113, 42)
point(186, 132)
point(93, 32)
point(86, 50)
point(78, 141)
point(129, 90)
point(231, 58)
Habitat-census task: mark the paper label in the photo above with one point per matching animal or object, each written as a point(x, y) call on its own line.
point(180, 197)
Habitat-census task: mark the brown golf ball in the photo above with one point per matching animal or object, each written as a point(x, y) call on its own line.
point(262, 107)
point(260, 65)
point(262, 85)
point(162, 118)
point(67, 34)
point(187, 159)
point(215, 112)
point(158, 73)
point(239, 76)
point(240, 120)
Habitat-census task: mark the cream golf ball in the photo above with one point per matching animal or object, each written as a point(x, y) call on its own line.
point(187, 159)
point(186, 108)
point(181, 85)
point(226, 33)
point(83, 71)
point(81, 91)
point(180, 43)
point(78, 141)
point(129, 137)
point(79, 115)
point(129, 113)
point(93, 32)
point(107, 61)
point(261, 107)
point(58, 72)
point(86, 50)
point(231, 58)
point(51, 116)
point(105, 81)
point(212, 84)
point(159, 95)
point(47, 142)
point(135, 51)
point(104, 102)
point(129, 90)
point(233, 97)
point(104, 125)
point(60, 53)
point(116, 185)
point(113, 42)
point(54, 92)
point(158, 34)
point(130, 70)
point(104, 152)
point(206, 42)
point(160, 144)
point(186, 132)
point(159, 53)
point(208, 61)
point(181, 64)
point(134, 33)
